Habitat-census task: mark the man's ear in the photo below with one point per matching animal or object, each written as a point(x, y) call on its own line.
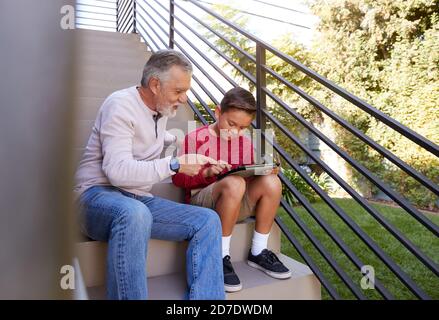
point(154, 85)
point(217, 111)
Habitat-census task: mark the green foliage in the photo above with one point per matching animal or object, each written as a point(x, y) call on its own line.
point(204, 112)
point(322, 180)
point(234, 37)
point(384, 51)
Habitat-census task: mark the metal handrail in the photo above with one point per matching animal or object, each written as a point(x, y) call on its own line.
point(413, 136)
point(262, 92)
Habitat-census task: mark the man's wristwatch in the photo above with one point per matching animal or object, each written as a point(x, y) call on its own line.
point(174, 164)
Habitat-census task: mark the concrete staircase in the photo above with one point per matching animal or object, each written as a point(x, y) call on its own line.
point(112, 61)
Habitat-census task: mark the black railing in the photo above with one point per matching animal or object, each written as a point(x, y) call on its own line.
point(167, 25)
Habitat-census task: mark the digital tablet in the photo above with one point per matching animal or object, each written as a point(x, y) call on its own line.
point(250, 170)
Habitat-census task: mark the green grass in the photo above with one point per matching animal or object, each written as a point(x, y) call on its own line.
point(413, 230)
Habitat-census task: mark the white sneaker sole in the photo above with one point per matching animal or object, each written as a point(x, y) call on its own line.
point(276, 275)
point(229, 288)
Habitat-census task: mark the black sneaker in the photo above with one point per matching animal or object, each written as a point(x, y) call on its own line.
point(231, 280)
point(269, 263)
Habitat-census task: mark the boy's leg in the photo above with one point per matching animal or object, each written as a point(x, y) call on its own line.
point(108, 215)
point(227, 195)
point(265, 192)
point(201, 226)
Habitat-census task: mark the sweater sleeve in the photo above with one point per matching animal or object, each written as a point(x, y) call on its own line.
point(119, 165)
point(169, 138)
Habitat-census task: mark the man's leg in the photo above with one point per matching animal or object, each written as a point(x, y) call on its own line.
point(125, 223)
point(201, 226)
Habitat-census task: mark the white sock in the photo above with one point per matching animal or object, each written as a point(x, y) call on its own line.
point(226, 245)
point(259, 242)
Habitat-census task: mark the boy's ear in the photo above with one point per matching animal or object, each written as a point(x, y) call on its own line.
point(217, 111)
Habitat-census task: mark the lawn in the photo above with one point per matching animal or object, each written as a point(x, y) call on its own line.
point(415, 232)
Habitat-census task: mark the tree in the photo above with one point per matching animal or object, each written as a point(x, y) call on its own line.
point(386, 52)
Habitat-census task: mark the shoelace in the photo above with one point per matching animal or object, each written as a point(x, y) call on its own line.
point(270, 256)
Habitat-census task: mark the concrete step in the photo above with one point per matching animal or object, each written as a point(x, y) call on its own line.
point(99, 73)
point(121, 44)
point(93, 34)
point(130, 50)
point(114, 63)
point(165, 257)
point(116, 39)
point(303, 285)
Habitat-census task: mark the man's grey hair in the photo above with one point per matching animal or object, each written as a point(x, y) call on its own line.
point(160, 62)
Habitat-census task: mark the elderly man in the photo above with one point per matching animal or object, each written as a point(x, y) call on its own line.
point(121, 164)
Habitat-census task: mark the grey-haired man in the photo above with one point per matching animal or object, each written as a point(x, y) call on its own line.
point(118, 169)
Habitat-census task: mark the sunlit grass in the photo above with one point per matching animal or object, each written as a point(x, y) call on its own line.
point(408, 226)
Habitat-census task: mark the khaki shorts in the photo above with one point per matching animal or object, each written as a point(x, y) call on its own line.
point(203, 197)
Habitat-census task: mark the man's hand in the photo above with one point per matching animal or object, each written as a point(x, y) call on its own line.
point(275, 170)
point(195, 159)
point(191, 164)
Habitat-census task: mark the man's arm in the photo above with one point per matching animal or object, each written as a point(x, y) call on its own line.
point(169, 138)
point(185, 181)
point(121, 169)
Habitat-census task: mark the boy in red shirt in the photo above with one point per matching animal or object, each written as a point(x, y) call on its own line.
point(233, 197)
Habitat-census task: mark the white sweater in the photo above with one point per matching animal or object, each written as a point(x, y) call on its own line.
point(123, 149)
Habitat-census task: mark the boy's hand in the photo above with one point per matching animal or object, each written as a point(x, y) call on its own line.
point(225, 164)
point(215, 169)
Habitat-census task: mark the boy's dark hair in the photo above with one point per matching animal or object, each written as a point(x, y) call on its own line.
point(238, 98)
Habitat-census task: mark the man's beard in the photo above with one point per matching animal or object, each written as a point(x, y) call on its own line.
point(167, 111)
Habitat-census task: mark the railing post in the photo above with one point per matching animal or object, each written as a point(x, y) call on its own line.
point(171, 24)
point(260, 101)
point(134, 16)
point(117, 15)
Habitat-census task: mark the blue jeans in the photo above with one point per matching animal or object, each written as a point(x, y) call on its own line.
point(127, 222)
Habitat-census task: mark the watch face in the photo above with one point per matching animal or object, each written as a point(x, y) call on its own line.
point(175, 165)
